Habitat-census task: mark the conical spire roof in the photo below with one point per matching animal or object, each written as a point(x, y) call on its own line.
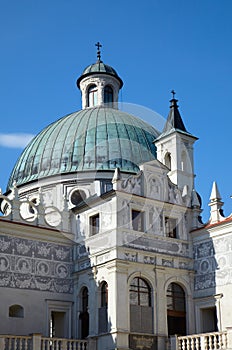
point(174, 120)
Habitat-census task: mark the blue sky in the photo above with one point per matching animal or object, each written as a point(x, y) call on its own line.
point(155, 46)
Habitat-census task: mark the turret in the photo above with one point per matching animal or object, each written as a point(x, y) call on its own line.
point(99, 84)
point(175, 149)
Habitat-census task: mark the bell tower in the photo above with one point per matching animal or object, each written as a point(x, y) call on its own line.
point(175, 149)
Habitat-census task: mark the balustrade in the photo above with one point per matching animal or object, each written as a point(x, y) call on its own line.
point(205, 341)
point(37, 342)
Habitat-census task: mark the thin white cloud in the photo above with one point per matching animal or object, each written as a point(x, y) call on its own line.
point(15, 140)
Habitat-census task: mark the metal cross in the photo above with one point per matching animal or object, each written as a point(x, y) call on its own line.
point(173, 94)
point(98, 50)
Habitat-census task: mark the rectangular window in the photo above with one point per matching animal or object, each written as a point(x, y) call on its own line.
point(171, 227)
point(137, 220)
point(94, 222)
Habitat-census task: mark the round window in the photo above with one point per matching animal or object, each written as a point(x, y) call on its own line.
point(77, 196)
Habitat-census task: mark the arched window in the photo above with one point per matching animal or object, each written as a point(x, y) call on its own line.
point(16, 311)
point(168, 160)
point(85, 299)
point(103, 310)
point(141, 319)
point(92, 96)
point(104, 294)
point(140, 292)
point(84, 314)
point(176, 310)
point(183, 161)
point(108, 95)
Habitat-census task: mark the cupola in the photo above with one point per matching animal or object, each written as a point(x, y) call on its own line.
point(99, 84)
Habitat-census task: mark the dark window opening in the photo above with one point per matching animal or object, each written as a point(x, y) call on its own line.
point(16, 311)
point(84, 315)
point(108, 95)
point(77, 197)
point(94, 222)
point(209, 319)
point(104, 294)
point(168, 161)
point(137, 220)
point(92, 96)
point(57, 324)
point(171, 227)
point(176, 310)
point(31, 208)
point(103, 310)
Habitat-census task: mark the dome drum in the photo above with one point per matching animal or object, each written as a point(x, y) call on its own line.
point(100, 85)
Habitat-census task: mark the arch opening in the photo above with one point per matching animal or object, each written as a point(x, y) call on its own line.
point(176, 310)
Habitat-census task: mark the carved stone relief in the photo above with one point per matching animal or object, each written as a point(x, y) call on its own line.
point(133, 184)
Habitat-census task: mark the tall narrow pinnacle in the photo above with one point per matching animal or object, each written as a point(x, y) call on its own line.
point(215, 194)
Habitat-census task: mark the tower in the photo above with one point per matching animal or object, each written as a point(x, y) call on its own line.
point(175, 149)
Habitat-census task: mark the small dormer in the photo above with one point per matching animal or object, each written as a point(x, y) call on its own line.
point(99, 84)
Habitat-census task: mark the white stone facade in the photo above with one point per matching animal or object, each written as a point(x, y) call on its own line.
point(121, 259)
point(100, 83)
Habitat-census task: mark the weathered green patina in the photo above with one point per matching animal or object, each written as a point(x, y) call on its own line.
point(89, 140)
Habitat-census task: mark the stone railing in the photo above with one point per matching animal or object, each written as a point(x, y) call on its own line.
point(14, 342)
point(37, 342)
point(205, 341)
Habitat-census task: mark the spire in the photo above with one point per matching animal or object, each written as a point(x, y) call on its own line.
point(215, 195)
point(216, 212)
point(195, 199)
point(174, 120)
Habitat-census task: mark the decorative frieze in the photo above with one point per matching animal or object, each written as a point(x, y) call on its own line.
point(213, 263)
point(35, 265)
point(149, 260)
point(156, 245)
point(167, 263)
point(131, 257)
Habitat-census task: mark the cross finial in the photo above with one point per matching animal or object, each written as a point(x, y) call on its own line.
point(173, 94)
point(98, 50)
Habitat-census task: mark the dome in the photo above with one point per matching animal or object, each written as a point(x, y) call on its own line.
point(99, 67)
point(92, 139)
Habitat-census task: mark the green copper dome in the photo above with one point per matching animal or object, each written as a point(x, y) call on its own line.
point(100, 68)
point(92, 139)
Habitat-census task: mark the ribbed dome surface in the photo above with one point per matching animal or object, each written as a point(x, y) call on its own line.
point(99, 67)
point(91, 139)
